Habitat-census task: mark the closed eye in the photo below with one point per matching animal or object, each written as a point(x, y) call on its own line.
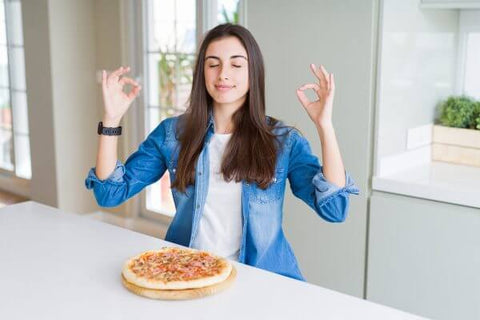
point(213, 66)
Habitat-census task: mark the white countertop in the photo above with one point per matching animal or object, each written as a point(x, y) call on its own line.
point(439, 181)
point(58, 265)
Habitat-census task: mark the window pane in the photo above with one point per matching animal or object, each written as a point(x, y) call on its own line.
point(20, 113)
point(13, 98)
point(228, 11)
point(6, 143)
point(186, 63)
point(171, 25)
point(6, 148)
point(472, 66)
point(153, 79)
point(15, 32)
point(3, 32)
point(153, 117)
point(170, 80)
point(6, 111)
point(18, 68)
point(159, 196)
point(22, 156)
point(171, 29)
point(3, 67)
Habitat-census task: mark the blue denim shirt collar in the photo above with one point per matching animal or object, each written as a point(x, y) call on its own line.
point(210, 124)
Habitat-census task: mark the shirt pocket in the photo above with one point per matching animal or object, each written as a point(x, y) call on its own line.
point(273, 192)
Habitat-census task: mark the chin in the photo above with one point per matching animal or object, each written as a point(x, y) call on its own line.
point(226, 100)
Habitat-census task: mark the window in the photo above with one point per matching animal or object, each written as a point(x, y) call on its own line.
point(14, 134)
point(171, 29)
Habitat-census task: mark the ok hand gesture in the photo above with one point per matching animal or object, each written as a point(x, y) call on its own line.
point(116, 101)
point(320, 110)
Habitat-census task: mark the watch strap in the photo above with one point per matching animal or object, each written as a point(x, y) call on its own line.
point(109, 131)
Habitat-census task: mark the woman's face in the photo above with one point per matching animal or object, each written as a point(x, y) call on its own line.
point(226, 72)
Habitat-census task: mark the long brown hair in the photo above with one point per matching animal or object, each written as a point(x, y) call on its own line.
point(251, 153)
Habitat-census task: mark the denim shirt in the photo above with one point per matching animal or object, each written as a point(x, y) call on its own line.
point(263, 243)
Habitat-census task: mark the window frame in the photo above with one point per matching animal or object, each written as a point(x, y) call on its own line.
point(133, 14)
point(9, 179)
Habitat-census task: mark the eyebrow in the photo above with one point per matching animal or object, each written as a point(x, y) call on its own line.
point(232, 57)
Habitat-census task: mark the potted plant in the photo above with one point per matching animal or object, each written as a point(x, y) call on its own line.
point(456, 138)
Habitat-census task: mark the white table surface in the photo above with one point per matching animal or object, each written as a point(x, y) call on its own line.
point(59, 265)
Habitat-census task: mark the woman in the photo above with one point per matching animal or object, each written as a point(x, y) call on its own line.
point(228, 162)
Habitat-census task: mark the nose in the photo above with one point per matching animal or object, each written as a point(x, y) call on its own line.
point(223, 74)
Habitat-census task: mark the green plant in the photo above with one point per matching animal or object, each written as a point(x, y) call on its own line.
point(173, 69)
point(460, 112)
point(477, 115)
point(235, 18)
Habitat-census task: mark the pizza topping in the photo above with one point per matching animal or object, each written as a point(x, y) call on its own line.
point(176, 264)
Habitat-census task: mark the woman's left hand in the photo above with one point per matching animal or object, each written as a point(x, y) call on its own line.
point(320, 110)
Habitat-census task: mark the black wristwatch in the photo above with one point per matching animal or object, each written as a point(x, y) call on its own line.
point(108, 131)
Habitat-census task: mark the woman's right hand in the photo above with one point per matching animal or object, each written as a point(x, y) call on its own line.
point(115, 100)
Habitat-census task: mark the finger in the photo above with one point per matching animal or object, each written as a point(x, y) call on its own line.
point(125, 80)
point(113, 77)
point(104, 80)
point(120, 71)
point(332, 83)
point(318, 73)
point(313, 86)
point(302, 98)
point(132, 94)
point(326, 76)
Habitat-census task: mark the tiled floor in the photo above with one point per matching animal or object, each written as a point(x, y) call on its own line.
point(8, 199)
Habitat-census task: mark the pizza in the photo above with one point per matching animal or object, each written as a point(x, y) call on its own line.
point(172, 268)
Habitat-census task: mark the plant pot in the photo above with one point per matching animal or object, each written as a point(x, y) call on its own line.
point(456, 145)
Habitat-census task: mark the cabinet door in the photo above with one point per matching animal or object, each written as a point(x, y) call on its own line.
point(424, 257)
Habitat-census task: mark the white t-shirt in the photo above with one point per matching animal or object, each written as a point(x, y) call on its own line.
point(220, 227)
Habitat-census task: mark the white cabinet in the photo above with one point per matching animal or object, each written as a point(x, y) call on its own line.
point(424, 257)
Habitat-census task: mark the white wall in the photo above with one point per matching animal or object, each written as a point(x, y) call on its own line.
point(72, 43)
point(43, 186)
point(341, 35)
point(60, 46)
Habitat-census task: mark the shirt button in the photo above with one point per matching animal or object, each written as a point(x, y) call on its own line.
point(174, 170)
point(198, 206)
point(200, 173)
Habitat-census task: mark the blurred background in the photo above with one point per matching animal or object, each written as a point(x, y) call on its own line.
point(406, 115)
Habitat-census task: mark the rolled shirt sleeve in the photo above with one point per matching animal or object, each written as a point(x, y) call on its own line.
point(143, 167)
point(308, 183)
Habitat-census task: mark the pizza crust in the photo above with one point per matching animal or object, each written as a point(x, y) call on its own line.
point(144, 282)
point(181, 294)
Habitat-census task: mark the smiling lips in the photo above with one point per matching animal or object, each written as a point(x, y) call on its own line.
point(223, 87)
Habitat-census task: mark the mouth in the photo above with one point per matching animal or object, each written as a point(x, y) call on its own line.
point(223, 87)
